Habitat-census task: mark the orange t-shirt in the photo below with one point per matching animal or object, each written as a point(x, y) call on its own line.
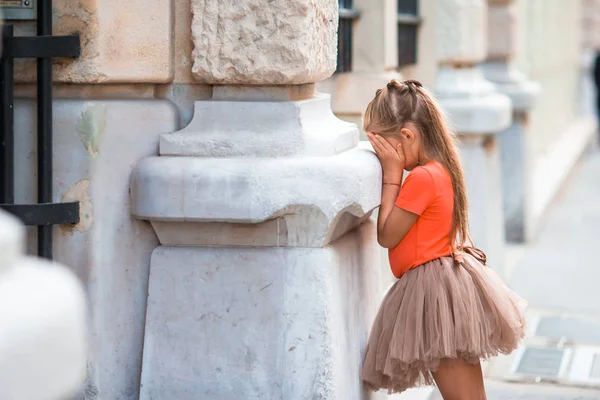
point(427, 191)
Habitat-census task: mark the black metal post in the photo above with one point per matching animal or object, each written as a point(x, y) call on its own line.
point(43, 47)
point(7, 162)
point(44, 126)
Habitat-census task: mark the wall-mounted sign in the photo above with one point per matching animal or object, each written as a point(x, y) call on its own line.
point(18, 9)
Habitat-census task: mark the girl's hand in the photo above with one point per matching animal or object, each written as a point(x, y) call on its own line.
point(391, 159)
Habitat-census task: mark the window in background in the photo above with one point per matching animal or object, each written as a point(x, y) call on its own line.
point(408, 25)
point(347, 17)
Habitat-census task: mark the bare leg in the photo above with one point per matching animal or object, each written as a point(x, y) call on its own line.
point(459, 380)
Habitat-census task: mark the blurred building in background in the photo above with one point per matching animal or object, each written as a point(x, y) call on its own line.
point(538, 54)
point(224, 233)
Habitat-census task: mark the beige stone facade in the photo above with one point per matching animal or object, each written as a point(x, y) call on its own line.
point(228, 194)
point(590, 16)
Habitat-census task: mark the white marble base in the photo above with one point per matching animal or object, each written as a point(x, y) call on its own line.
point(511, 82)
point(481, 163)
point(515, 149)
point(261, 128)
point(256, 323)
point(472, 104)
point(299, 201)
point(516, 179)
point(96, 144)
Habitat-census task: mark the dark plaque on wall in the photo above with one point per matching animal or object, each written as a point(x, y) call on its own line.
point(18, 9)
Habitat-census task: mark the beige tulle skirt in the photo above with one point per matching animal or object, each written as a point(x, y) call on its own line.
point(452, 307)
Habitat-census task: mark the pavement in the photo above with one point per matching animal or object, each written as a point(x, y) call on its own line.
point(559, 275)
point(560, 271)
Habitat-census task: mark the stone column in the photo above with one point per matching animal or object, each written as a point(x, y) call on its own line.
point(266, 280)
point(374, 59)
point(109, 109)
point(43, 340)
point(515, 153)
point(477, 111)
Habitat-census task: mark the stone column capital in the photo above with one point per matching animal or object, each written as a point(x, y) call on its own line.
point(522, 91)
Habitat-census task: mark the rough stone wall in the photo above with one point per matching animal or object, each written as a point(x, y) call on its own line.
point(269, 43)
point(96, 145)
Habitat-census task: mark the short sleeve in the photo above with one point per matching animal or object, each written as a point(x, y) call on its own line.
point(417, 192)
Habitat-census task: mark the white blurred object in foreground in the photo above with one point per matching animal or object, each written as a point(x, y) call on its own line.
point(42, 323)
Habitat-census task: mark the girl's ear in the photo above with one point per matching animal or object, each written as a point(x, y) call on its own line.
point(407, 135)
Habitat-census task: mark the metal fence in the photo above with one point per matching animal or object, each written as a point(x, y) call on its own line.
point(42, 47)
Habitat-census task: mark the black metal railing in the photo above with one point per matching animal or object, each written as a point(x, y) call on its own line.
point(347, 17)
point(408, 25)
point(43, 47)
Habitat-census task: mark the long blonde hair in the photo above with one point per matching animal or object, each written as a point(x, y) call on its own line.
point(399, 103)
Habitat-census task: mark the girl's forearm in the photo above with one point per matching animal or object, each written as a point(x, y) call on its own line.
point(389, 195)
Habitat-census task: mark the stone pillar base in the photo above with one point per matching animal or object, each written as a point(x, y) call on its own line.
point(516, 156)
point(267, 279)
point(256, 323)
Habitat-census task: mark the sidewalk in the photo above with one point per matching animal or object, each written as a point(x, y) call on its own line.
point(560, 271)
point(559, 275)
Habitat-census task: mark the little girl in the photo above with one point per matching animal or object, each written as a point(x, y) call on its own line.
point(447, 310)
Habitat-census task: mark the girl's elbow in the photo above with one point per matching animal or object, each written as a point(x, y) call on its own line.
point(386, 242)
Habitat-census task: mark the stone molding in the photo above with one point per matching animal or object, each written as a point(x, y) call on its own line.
point(472, 104)
point(323, 198)
point(226, 128)
point(513, 83)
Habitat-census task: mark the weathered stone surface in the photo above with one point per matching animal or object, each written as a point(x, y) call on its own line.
point(313, 197)
point(375, 36)
point(513, 83)
point(503, 34)
point(264, 42)
point(238, 127)
point(461, 31)
point(109, 251)
point(122, 41)
point(183, 42)
point(257, 323)
point(472, 103)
